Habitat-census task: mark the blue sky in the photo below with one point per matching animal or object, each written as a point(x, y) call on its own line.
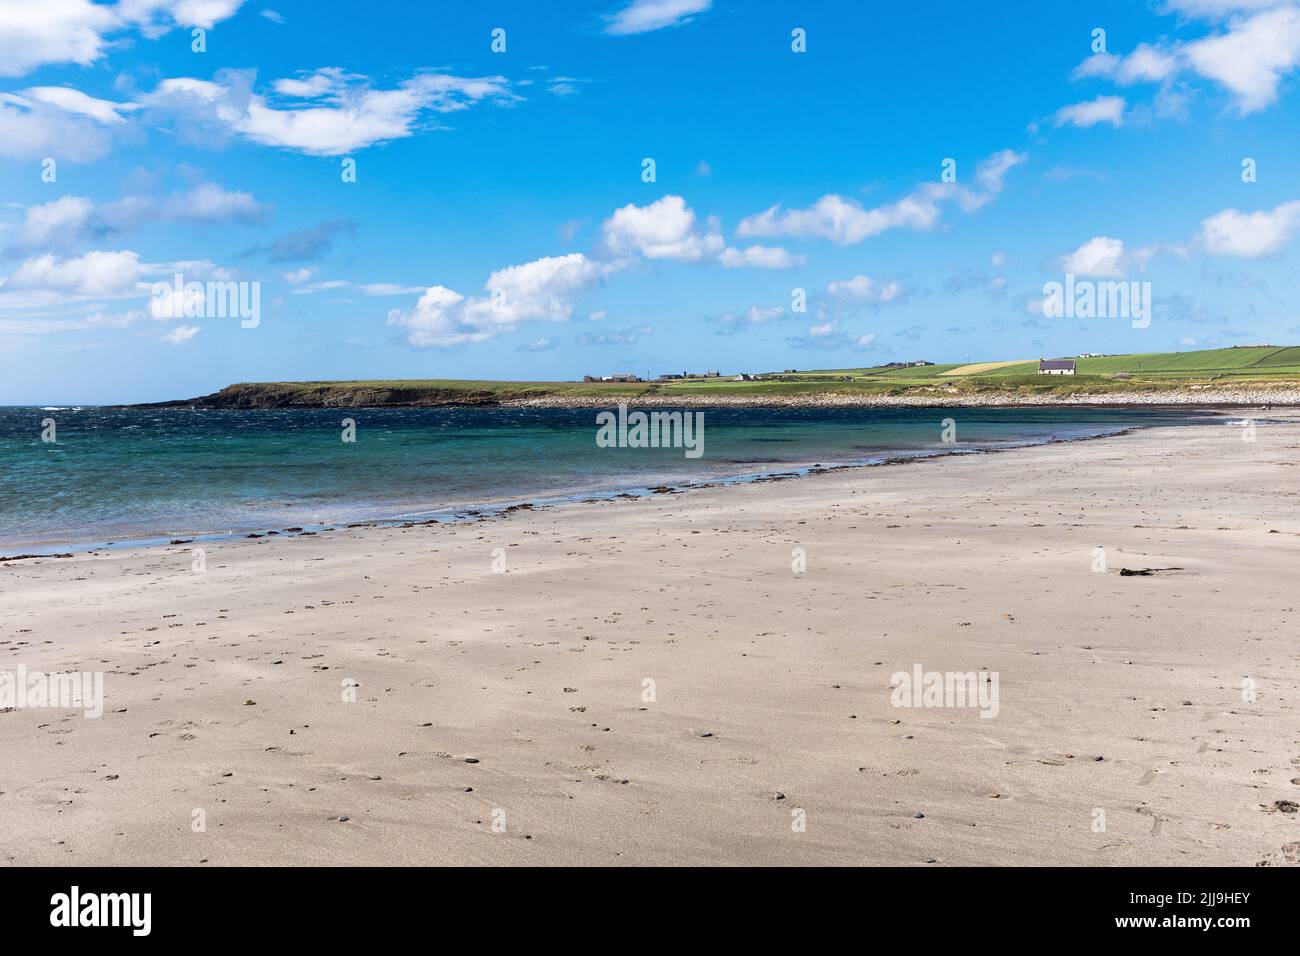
point(500, 224)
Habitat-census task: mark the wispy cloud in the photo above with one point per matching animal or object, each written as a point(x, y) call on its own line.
point(642, 16)
point(305, 245)
point(181, 334)
point(327, 112)
point(70, 221)
point(1103, 109)
point(846, 222)
point(1249, 58)
point(56, 120)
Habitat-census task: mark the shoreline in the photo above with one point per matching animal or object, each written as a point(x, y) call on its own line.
point(500, 673)
point(1285, 396)
point(1168, 401)
point(493, 508)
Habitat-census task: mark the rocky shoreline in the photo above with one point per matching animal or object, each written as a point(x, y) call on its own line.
point(331, 395)
point(1246, 398)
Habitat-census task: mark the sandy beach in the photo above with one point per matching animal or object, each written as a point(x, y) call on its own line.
point(650, 681)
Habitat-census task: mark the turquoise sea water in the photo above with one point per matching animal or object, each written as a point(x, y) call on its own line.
point(121, 474)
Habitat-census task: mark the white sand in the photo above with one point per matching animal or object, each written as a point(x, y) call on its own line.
point(964, 563)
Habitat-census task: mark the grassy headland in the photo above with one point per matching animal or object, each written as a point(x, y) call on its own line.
point(1245, 375)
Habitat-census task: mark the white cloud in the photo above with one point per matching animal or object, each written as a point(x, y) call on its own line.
point(29, 327)
point(847, 222)
point(96, 274)
point(56, 223)
point(614, 337)
point(842, 221)
point(1099, 257)
point(544, 344)
point(1260, 45)
point(1252, 56)
point(760, 257)
point(866, 341)
point(70, 220)
point(990, 175)
point(325, 285)
point(181, 334)
point(116, 320)
point(544, 289)
point(1145, 64)
point(54, 285)
point(56, 121)
point(821, 329)
point(642, 16)
point(541, 289)
point(665, 229)
point(193, 270)
point(157, 16)
point(388, 288)
point(549, 288)
point(1104, 109)
point(564, 85)
point(33, 34)
point(864, 289)
point(753, 316)
point(326, 80)
point(325, 113)
point(1215, 8)
point(436, 323)
point(1104, 257)
point(209, 203)
point(68, 100)
point(1251, 235)
point(51, 31)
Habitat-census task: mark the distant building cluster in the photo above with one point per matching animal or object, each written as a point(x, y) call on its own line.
point(738, 377)
point(673, 376)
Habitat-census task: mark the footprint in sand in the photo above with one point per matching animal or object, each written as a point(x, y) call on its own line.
point(1156, 820)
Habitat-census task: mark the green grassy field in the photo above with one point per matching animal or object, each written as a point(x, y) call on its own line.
point(1143, 371)
point(1150, 372)
point(1253, 361)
